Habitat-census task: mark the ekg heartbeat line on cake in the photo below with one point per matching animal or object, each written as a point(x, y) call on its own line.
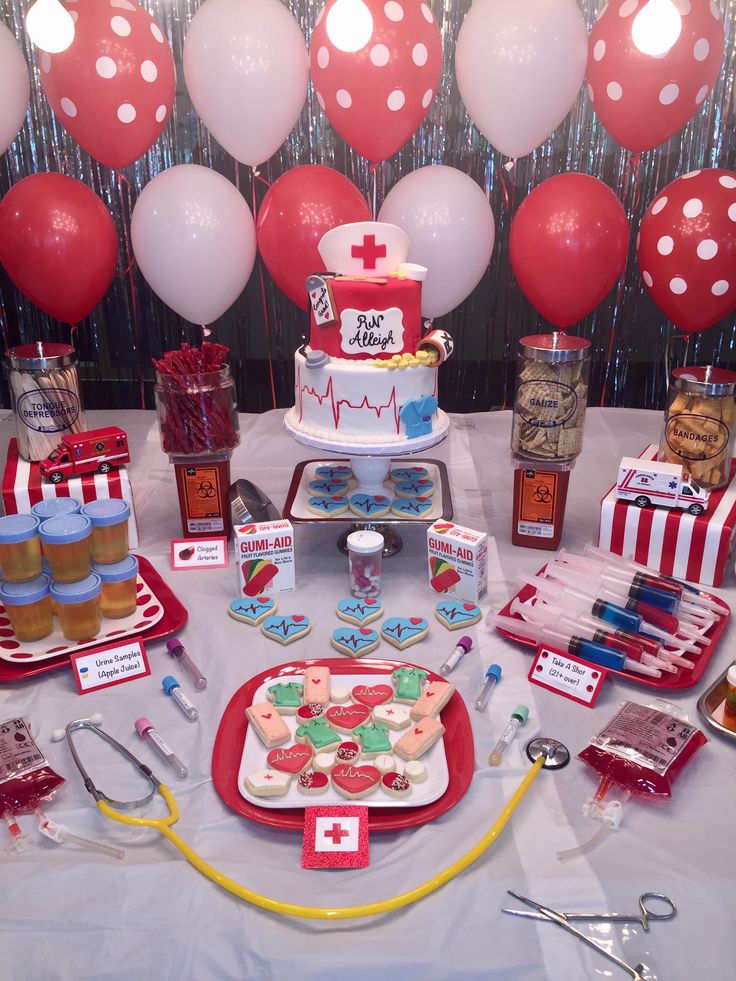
point(337, 404)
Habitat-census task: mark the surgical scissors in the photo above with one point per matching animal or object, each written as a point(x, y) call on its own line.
point(563, 920)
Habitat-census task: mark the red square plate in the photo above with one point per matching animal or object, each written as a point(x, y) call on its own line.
point(228, 750)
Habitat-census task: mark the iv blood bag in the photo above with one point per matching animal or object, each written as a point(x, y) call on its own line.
point(642, 749)
point(26, 778)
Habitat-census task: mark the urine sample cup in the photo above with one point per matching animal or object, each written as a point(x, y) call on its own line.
point(28, 605)
point(20, 549)
point(119, 579)
point(67, 546)
point(78, 605)
point(109, 519)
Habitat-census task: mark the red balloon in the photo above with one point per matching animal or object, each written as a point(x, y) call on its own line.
point(568, 246)
point(644, 98)
point(113, 89)
point(297, 210)
point(58, 244)
point(377, 96)
point(686, 249)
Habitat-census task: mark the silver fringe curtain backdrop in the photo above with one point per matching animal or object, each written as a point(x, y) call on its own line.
point(631, 338)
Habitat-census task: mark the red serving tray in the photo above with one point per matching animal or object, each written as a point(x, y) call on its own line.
point(228, 749)
point(668, 682)
point(174, 618)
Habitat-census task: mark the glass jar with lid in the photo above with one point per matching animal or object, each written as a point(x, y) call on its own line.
point(552, 377)
point(699, 419)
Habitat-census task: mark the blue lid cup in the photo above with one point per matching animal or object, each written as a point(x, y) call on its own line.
point(67, 546)
point(20, 549)
point(54, 507)
point(107, 512)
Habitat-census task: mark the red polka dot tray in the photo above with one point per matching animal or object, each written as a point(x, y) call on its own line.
point(158, 614)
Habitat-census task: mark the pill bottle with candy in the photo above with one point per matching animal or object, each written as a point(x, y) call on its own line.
point(699, 422)
point(365, 554)
point(552, 374)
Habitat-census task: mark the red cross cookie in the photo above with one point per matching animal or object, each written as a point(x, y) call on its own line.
point(650, 70)
point(113, 88)
point(376, 66)
point(335, 837)
point(686, 248)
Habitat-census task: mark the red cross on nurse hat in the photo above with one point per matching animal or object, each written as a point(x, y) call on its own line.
point(364, 248)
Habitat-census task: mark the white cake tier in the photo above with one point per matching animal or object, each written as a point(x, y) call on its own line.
point(356, 402)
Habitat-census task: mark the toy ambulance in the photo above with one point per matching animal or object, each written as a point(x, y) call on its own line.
point(662, 484)
point(95, 450)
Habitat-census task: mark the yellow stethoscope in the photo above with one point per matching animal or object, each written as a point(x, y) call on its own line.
point(544, 753)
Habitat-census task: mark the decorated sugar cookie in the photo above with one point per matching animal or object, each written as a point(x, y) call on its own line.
point(418, 738)
point(455, 613)
point(409, 682)
point(338, 471)
point(404, 631)
point(419, 487)
point(306, 712)
point(400, 474)
point(370, 506)
point(267, 783)
point(372, 695)
point(286, 629)
point(266, 721)
point(374, 739)
point(384, 763)
point(327, 507)
point(316, 685)
point(432, 700)
point(339, 695)
point(356, 641)
point(290, 759)
point(347, 752)
point(323, 762)
point(394, 714)
point(360, 611)
point(286, 696)
point(330, 488)
point(252, 610)
point(312, 782)
point(396, 784)
point(354, 781)
point(411, 507)
point(318, 734)
point(346, 718)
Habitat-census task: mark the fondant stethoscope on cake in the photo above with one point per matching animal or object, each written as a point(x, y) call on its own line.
point(544, 754)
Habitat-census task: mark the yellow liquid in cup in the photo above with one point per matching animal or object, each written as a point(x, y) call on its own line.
point(21, 561)
point(79, 621)
point(70, 561)
point(118, 598)
point(110, 542)
point(32, 621)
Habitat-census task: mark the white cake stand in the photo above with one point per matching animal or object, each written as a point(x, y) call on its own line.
point(370, 463)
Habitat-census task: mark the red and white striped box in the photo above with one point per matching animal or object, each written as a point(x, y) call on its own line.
point(673, 541)
point(23, 486)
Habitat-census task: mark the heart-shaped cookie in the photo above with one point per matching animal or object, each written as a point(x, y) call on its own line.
point(327, 506)
point(347, 717)
point(355, 642)
point(339, 471)
point(372, 695)
point(333, 488)
point(290, 759)
point(404, 631)
point(252, 610)
point(286, 629)
point(398, 474)
point(359, 611)
point(411, 507)
point(457, 613)
point(422, 487)
point(354, 781)
point(369, 505)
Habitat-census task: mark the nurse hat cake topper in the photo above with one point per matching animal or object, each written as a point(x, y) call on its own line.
point(364, 249)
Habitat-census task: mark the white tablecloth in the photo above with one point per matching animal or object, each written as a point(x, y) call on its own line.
point(68, 914)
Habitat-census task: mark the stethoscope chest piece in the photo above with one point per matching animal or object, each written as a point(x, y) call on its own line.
point(556, 754)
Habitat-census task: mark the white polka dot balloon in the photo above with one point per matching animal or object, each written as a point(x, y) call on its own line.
point(376, 65)
point(643, 91)
point(113, 89)
point(687, 249)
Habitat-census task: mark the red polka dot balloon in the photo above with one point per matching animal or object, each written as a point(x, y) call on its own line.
point(651, 66)
point(113, 89)
point(686, 249)
point(376, 65)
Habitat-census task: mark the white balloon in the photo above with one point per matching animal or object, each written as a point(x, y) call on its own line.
point(195, 241)
point(14, 88)
point(247, 68)
point(519, 66)
point(450, 224)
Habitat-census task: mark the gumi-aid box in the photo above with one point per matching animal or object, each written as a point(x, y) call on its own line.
point(458, 560)
point(264, 554)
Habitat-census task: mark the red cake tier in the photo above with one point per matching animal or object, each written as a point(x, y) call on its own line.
point(374, 320)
